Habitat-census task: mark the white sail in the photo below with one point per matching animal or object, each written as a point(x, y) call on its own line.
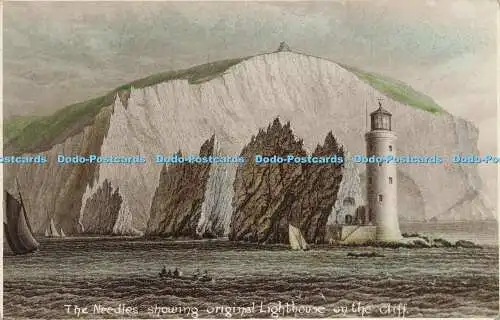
point(47, 232)
point(52, 229)
point(62, 233)
point(297, 241)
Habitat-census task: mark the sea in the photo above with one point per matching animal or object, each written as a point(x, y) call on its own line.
point(101, 278)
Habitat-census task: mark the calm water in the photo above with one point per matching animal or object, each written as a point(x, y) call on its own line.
point(250, 281)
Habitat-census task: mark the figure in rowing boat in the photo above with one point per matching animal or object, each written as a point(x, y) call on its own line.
point(168, 274)
point(205, 277)
point(196, 274)
point(163, 272)
point(177, 274)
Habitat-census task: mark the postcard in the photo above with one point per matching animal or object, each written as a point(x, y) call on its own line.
point(237, 160)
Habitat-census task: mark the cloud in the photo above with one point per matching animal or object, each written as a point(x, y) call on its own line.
point(434, 46)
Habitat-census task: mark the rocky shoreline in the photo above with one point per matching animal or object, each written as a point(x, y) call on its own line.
point(417, 241)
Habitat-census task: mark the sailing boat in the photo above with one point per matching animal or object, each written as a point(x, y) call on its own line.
point(297, 241)
point(51, 231)
point(63, 235)
point(17, 229)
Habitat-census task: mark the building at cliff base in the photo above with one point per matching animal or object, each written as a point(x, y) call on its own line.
point(378, 219)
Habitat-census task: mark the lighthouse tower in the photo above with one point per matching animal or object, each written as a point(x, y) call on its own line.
point(381, 182)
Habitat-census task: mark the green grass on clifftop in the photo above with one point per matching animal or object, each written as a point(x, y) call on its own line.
point(15, 125)
point(37, 134)
point(397, 90)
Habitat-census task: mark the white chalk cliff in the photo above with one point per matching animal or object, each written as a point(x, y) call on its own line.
point(314, 94)
point(350, 195)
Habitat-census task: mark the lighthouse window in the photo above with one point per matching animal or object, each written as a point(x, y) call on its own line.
point(369, 180)
point(385, 123)
point(380, 164)
point(390, 180)
point(390, 148)
point(380, 198)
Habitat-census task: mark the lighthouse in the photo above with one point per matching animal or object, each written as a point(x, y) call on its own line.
point(381, 177)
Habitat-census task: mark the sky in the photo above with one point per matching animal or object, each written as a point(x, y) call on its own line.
point(58, 53)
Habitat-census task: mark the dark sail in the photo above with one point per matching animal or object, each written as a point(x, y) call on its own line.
point(17, 229)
